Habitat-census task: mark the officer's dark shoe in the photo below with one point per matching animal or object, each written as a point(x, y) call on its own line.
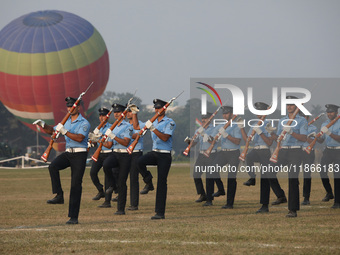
point(72, 221)
point(219, 193)
point(280, 200)
point(250, 182)
point(208, 203)
point(99, 195)
point(115, 199)
point(58, 199)
point(305, 202)
point(106, 204)
point(263, 209)
point(148, 187)
point(291, 214)
point(201, 198)
point(158, 217)
point(133, 208)
point(119, 213)
point(227, 206)
point(336, 206)
point(328, 197)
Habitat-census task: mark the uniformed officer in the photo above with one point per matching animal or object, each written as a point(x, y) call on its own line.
point(96, 166)
point(75, 130)
point(162, 130)
point(229, 154)
point(136, 154)
point(119, 160)
point(290, 155)
point(331, 155)
point(307, 161)
point(205, 138)
point(260, 153)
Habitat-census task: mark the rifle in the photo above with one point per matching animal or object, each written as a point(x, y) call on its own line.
point(186, 152)
point(275, 154)
point(102, 140)
point(246, 147)
point(311, 145)
point(315, 119)
point(217, 137)
point(141, 132)
point(96, 130)
point(55, 134)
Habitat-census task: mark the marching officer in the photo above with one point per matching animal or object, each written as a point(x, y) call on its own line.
point(204, 139)
point(290, 155)
point(162, 130)
point(105, 152)
point(229, 154)
point(261, 153)
point(307, 161)
point(331, 155)
point(119, 160)
point(75, 130)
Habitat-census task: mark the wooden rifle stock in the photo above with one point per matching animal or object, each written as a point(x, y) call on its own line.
point(217, 137)
point(141, 132)
point(311, 145)
point(315, 119)
point(47, 152)
point(275, 154)
point(186, 151)
point(246, 147)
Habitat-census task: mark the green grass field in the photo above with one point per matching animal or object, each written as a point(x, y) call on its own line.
point(30, 226)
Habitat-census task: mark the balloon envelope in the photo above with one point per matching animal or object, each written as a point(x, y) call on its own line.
point(47, 56)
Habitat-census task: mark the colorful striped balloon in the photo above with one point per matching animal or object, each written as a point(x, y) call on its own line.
point(47, 56)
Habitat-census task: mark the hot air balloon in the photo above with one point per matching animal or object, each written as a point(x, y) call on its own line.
point(47, 56)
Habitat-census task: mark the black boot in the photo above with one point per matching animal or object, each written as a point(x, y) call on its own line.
point(58, 199)
point(100, 195)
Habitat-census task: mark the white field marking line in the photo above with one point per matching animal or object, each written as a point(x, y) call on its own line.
point(61, 229)
point(139, 241)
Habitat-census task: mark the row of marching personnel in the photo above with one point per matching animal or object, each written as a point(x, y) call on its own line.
point(119, 153)
point(219, 145)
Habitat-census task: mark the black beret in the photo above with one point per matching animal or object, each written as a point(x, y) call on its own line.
point(226, 109)
point(206, 116)
point(332, 108)
point(118, 107)
point(70, 101)
point(103, 111)
point(158, 103)
point(261, 106)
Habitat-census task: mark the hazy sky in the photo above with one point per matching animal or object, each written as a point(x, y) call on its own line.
point(157, 46)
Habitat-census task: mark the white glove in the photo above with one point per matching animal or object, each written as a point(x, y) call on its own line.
point(288, 130)
point(149, 125)
point(311, 135)
point(240, 122)
point(40, 123)
point(200, 130)
point(89, 145)
point(325, 130)
point(206, 138)
point(109, 134)
point(284, 138)
point(270, 129)
point(223, 132)
point(60, 128)
point(257, 130)
point(94, 137)
point(134, 109)
point(96, 131)
point(187, 139)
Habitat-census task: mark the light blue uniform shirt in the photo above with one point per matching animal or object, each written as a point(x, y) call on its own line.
point(121, 131)
point(139, 145)
point(310, 129)
point(211, 131)
point(165, 126)
point(103, 130)
point(258, 141)
point(79, 126)
point(233, 131)
point(300, 128)
point(335, 129)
